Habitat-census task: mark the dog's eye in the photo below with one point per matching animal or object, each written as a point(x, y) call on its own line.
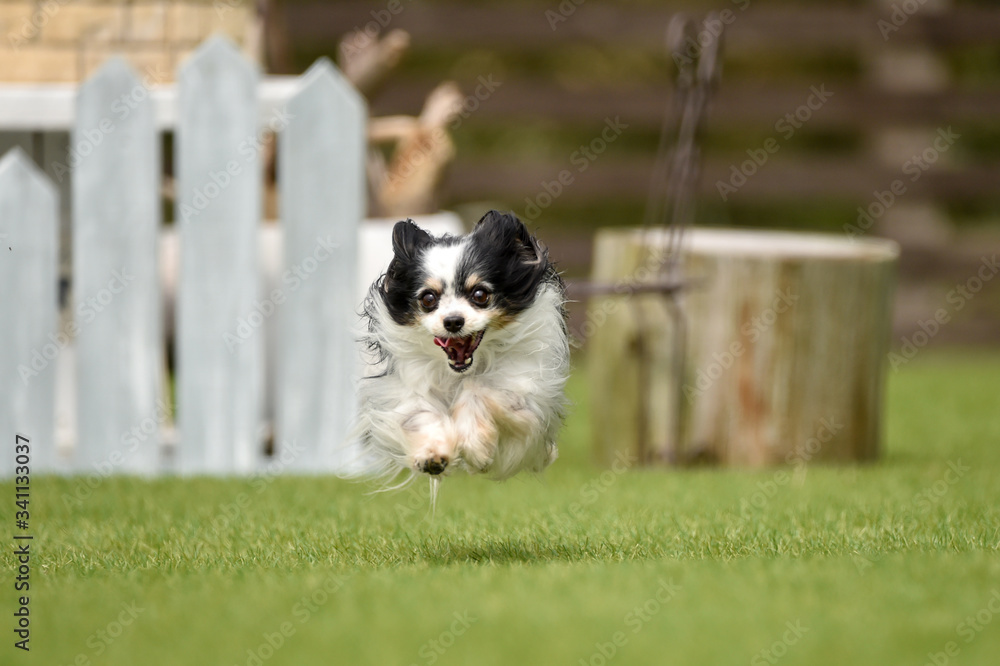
point(428, 300)
point(480, 296)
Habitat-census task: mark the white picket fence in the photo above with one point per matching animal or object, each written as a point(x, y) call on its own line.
point(116, 328)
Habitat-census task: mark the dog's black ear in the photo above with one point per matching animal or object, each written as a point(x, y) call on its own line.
point(408, 240)
point(504, 230)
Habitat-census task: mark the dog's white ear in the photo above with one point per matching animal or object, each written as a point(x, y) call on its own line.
point(408, 239)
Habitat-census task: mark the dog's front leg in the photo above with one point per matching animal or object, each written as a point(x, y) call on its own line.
point(482, 416)
point(431, 440)
point(476, 426)
point(498, 431)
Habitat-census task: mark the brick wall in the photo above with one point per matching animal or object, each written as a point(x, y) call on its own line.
point(66, 40)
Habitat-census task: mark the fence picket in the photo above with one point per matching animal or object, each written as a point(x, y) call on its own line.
point(112, 334)
point(218, 214)
point(30, 337)
point(321, 167)
point(116, 219)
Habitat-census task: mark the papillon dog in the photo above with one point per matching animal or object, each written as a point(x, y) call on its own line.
point(467, 353)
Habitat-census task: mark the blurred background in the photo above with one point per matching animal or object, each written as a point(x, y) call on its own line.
point(892, 78)
point(840, 99)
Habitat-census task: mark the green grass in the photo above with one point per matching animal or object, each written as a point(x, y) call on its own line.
point(868, 566)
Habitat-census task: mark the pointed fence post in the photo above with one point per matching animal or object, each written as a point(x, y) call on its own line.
point(321, 169)
point(117, 307)
point(30, 340)
point(219, 341)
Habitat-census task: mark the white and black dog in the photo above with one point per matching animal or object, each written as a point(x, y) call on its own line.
point(467, 353)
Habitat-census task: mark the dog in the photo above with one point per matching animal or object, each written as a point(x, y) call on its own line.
point(466, 354)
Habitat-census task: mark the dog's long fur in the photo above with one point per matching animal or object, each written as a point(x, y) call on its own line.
point(421, 412)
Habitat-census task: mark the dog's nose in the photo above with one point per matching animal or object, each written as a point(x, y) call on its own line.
point(435, 465)
point(454, 323)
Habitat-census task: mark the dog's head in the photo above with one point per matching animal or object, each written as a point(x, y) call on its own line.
point(458, 289)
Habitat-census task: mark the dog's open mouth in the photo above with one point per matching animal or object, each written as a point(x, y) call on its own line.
point(460, 350)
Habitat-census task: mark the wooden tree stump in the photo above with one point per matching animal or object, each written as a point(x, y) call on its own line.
point(784, 354)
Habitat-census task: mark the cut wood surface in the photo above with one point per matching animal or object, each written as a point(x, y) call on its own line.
point(787, 336)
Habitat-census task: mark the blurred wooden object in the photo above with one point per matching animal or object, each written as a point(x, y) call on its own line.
point(915, 66)
point(367, 61)
point(407, 156)
point(408, 182)
point(785, 352)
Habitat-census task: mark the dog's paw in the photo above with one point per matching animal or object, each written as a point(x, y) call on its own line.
point(432, 463)
point(435, 454)
point(478, 456)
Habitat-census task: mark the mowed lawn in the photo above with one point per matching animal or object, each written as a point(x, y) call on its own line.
point(892, 563)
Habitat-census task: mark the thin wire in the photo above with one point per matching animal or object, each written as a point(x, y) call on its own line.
point(657, 202)
point(669, 205)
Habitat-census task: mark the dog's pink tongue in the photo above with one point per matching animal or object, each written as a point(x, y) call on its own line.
point(456, 348)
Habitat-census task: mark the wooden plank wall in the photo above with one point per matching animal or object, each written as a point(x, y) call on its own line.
point(748, 102)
